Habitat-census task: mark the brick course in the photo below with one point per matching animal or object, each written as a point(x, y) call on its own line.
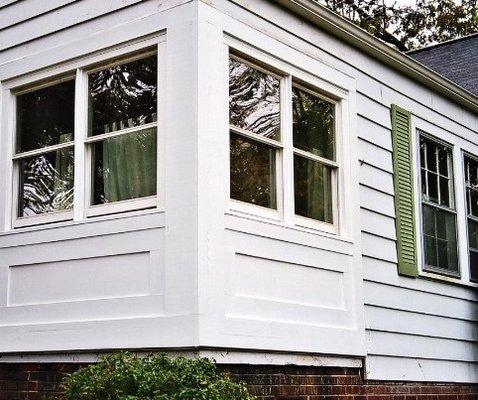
point(35, 381)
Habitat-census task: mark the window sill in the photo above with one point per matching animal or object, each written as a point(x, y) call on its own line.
point(62, 224)
point(447, 279)
point(292, 227)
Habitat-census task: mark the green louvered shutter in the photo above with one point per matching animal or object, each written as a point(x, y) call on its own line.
point(404, 200)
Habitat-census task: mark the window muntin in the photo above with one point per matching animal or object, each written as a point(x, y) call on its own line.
point(44, 158)
point(122, 115)
point(314, 154)
point(438, 212)
point(254, 120)
point(471, 186)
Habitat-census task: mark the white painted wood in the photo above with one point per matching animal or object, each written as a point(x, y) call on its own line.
point(229, 279)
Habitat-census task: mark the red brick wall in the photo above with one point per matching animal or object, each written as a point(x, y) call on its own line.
point(32, 381)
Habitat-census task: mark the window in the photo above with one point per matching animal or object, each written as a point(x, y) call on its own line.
point(118, 134)
point(438, 208)
point(122, 131)
point(259, 125)
point(44, 155)
point(471, 184)
point(255, 137)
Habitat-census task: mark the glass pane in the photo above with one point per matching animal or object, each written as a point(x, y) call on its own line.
point(445, 192)
point(473, 209)
point(313, 124)
point(123, 96)
point(472, 233)
point(253, 172)
point(431, 156)
point(445, 223)
point(424, 182)
point(124, 167)
point(313, 189)
point(447, 255)
point(443, 161)
point(254, 100)
point(422, 153)
point(474, 266)
point(429, 227)
point(432, 187)
point(472, 168)
point(46, 183)
point(45, 117)
point(430, 245)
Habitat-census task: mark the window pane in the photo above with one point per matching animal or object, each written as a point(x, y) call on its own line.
point(473, 209)
point(313, 189)
point(313, 122)
point(439, 229)
point(473, 233)
point(252, 172)
point(124, 167)
point(474, 266)
point(432, 187)
point(122, 96)
point(46, 183)
point(431, 156)
point(445, 192)
point(45, 117)
point(424, 182)
point(430, 244)
point(443, 161)
point(254, 100)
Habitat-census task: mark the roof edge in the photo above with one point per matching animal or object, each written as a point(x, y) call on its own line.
point(344, 29)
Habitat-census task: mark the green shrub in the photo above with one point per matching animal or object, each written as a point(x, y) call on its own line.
point(125, 376)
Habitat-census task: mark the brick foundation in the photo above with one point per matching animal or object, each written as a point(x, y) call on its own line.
point(34, 381)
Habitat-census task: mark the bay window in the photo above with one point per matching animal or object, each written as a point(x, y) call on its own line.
point(273, 118)
point(117, 133)
point(438, 207)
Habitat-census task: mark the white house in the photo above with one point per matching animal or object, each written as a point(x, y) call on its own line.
point(217, 177)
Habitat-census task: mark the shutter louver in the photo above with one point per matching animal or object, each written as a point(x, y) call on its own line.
point(404, 197)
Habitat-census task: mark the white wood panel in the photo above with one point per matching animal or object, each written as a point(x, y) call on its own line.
point(375, 155)
point(376, 178)
point(397, 298)
point(381, 271)
point(378, 224)
point(374, 200)
point(374, 133)
point(395, 321)
point(415, 346)
point(417, 369)
point(27, 9)
point(378, 247)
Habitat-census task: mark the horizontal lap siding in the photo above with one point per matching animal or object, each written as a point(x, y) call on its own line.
point(416, 329)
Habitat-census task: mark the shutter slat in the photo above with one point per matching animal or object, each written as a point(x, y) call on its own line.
point(404, 202)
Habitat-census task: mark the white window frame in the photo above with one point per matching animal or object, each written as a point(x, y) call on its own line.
point(467, 215)
point(452, 209)
point(294, 76)
point(78, 69)
point(459, 148)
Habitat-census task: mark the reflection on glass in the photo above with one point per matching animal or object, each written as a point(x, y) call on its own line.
point(313, 124)
point(254, 100)
point(252, 172)
point(439, 227)
point(124, 167)
point(122, 96)
point(45, 117)
point(313, 189)
point(46, 183)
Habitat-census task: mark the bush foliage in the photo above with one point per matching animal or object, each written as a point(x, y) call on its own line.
point(125, 376)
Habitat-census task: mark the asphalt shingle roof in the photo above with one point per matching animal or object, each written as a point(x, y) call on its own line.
point(456, 60)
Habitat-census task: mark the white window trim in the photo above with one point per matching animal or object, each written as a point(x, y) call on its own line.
point(459, 147)
point(78, 70)
point(285, 215)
